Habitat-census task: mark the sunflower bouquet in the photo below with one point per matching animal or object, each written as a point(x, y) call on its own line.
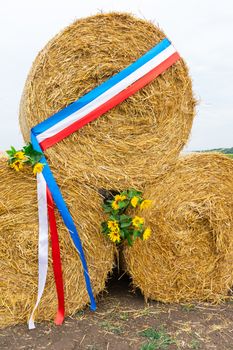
point(120, 226)
point(26, 156)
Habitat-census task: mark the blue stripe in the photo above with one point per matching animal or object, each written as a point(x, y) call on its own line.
point(67, 218)
point(99, 90)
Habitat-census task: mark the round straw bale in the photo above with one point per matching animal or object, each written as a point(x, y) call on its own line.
point(189, 255)
point(133, 142)
point(19, 248)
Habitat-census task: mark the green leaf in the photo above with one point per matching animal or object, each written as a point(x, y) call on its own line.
point(133, 193)
point(109, 202)
point(124, 217)
point(12, 160)
point(9, 152)
point(107, 209)
point(115, 212)
point(33, 155)
point(136, 233)
point(114, 217)
point(105, 228)
point(122, 204)
point(122, 233)
point(125, 224)
point(107, 205)
point(129, 241)
point(28, 149)
point(124, 193)
point(35, 158)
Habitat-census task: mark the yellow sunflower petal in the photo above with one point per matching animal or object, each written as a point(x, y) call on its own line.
point(134, 201)
point(38, 167)
point(146, 233)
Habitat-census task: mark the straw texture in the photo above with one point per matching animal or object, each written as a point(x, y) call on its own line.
point(132, 143)
point(19, 248)
point(189, 255)
point(130, 146)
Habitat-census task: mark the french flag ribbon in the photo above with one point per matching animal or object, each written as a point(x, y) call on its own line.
point(54, 129)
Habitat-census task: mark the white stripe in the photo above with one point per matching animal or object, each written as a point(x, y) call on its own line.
point(43, 242)
point(107, 95)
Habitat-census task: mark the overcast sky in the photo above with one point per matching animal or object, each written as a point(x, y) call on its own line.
point(201, 30)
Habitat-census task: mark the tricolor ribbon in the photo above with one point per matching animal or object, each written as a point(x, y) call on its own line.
point(54, 129)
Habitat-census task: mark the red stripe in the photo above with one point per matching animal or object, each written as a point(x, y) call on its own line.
point(57, 267)
point(114, 101)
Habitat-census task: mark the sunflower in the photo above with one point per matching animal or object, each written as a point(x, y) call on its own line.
point(134, 201)
point(20, 155)
point(115, 205)
point(114, 236)
point(17, 165)
point(137, 221)
point(113, 225)
point(38, 167)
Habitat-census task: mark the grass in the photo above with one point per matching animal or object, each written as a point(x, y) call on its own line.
point(124, 316)
point(149, 346)
point(188, 307)
point(159, 339)
point(195, 344)
point(107, 326)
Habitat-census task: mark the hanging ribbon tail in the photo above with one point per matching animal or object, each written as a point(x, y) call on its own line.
point(57, 266)
point(42, 244)
point(67, 218)
point(68, 221)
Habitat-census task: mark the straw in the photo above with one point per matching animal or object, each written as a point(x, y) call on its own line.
point(189, 255)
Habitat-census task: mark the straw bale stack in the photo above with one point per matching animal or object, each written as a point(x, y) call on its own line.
point(130, 146)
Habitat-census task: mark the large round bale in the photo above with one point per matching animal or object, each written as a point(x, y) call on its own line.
point(19, 249)
point(132, 143)
point(189, 255)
